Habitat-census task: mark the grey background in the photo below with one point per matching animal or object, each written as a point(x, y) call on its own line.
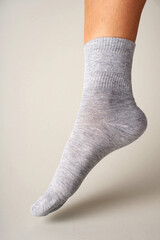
point(41, 54)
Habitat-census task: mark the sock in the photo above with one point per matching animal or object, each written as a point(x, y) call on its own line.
point(108, 119)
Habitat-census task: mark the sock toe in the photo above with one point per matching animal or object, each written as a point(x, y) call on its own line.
point(46, 204)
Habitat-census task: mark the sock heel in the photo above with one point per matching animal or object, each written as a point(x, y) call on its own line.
point(129, 129)
point(137, 125)
point(140, 123)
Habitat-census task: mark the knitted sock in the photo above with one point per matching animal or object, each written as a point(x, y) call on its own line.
point(108, 119)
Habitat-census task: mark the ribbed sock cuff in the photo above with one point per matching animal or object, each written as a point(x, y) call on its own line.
point(111, 44)
point(108, 62)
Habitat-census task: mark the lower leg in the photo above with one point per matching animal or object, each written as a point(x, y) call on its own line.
point(112, 18)
point(108, 117)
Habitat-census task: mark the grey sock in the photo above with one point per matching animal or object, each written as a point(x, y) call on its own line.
point(108, 119)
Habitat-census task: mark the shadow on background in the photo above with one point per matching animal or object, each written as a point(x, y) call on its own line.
point(137, 189)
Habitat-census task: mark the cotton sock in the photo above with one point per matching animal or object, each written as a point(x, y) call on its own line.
point(108, 119)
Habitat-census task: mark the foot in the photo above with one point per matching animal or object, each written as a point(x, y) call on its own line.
point(108, 119)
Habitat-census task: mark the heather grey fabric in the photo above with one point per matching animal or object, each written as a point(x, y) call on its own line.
point(108, 119)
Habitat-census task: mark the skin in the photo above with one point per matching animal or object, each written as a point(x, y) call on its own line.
point(112, 18)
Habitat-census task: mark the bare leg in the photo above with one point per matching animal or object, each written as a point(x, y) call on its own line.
point(112, 18)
